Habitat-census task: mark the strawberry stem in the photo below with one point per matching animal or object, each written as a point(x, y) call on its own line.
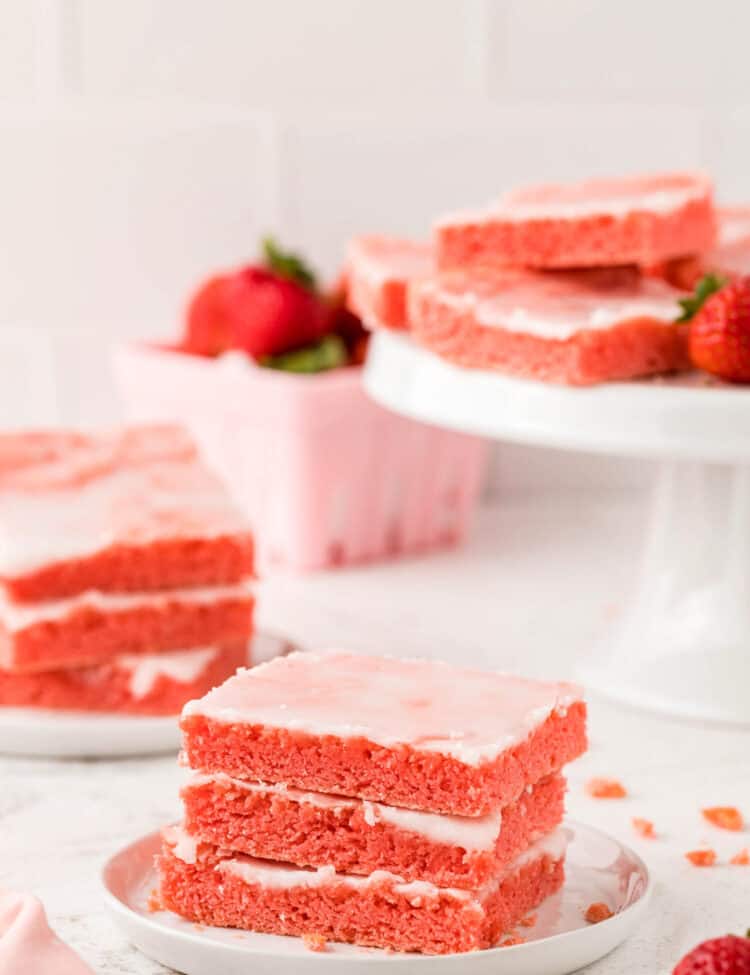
point(288, 265)
point(707, 286)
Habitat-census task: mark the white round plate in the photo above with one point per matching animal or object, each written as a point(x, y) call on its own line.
point(80, 734)
point(686, 416)
point(599, 868)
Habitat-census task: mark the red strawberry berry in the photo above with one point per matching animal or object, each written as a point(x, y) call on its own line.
point(721, 956)
point(265, 309)
point(719, 338)
point(208, 330)
point(269, 314)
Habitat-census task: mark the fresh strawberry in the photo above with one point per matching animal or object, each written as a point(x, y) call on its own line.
point(265, 309)
point(208, 330)
point(719, 338)
point(270, 314)
point(720, 956)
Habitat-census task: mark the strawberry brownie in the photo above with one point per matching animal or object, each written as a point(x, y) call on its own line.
point(378, 270)
point(635, 220)
point(123, 511)
point(150, 684)
point(575, 328)
point(310, 829)
point(414, 733)
point(93, 627)
point(208, 885)
point(730, 257)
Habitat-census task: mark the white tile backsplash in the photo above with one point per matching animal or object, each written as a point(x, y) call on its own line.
point(643, 50)
point(148, 142)
point(18, 49)
point(304, 54)
point(111, 214)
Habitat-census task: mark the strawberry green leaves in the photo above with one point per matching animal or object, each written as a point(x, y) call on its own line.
point(708, 285)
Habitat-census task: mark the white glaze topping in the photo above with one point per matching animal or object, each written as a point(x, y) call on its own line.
point(182, 666)
point(183, 845)
point(379, 260)
point(65, 496)
point(431, 706)
point(605, 198)
point(471, 834)
point(19, 616)
point(275, 875)
point(555, 306)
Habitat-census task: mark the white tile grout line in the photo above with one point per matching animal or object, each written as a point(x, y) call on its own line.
point(478, 47)
point(50, 52)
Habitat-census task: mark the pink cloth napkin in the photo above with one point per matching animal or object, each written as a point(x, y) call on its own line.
point(28, 946)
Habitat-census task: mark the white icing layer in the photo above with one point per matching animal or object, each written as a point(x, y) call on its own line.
point(379, 261)
point(654, 201)
point(66, 496)
point(471, 834)
point(184, 846)
point(282, 876)
point(182, 666)
point(431, 706)
point(20, 616)
point(557, 307)
point(616, 198)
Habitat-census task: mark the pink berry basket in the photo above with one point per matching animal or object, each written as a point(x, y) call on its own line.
point(326, 476)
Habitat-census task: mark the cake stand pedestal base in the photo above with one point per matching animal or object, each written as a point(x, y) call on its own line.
point(683, 644)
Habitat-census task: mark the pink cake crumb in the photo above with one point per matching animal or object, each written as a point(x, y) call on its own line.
point(378, 270)
point(314, 942)
point(635, 220)
point(125, 511)
point(414, 733)
point(210, 886)
point(359, 837)
point(146, 684)
point(94, 627)
point(576, 328)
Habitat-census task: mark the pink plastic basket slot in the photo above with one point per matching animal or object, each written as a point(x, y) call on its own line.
point(326, 476)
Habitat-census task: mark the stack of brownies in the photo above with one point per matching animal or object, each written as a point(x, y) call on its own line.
point(570, 284)
point(123, 572)
point(403, 804)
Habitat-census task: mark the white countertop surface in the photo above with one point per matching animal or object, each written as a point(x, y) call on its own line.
point(532, 590)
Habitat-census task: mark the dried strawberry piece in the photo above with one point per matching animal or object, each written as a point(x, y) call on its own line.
point(154, 903)
point(528, 922)
point(741, 859)
point(725, 817)
point(597, 912)
point(606, 789)
point(644, 828)
point(314, 942)
point(702, 858)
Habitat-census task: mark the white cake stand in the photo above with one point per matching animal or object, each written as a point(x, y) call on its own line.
point(683, 645)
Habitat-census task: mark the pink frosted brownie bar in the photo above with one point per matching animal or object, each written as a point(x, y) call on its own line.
point(575, 328)
point(355, 836)
point(94, 627)
point(215, 887)
point(635, 220)
point(378, 270)
point(414, 733)
point(730, 257)
point(146, 684)
point(125, 511)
